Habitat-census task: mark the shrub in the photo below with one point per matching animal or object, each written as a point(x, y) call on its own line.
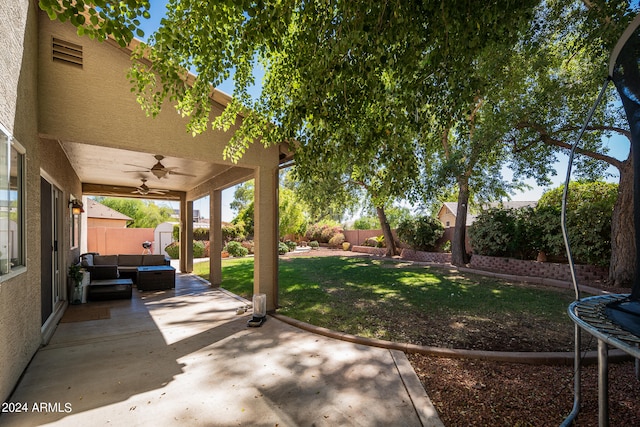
point(322, 232)
point(201, 234)
point(589, 209)
point(375, 242)
point(494, 233)
point(173, 250)
point(336, 240)
point(249, 245)
point(233, 232)
point(314, 244)
point(420, 233)
point(328, 231)
point(291, 245)
point(198, 249)
point(282, 248)
point(236, 249)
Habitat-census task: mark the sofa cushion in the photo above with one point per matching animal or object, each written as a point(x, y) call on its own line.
point(103, 272)
point(105, 260)
point(153, 260)
point(129, 260)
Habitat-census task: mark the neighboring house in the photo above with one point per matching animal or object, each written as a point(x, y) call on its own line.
point(70, 128)
point(99, 215)
point(448, 211)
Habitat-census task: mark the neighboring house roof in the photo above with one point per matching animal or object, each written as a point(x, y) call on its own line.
point(98, 210)
point(509, 204)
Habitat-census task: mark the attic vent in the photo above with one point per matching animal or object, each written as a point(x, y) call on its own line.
point(67, 52)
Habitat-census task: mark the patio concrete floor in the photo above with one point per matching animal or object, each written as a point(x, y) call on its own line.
point(184, 357)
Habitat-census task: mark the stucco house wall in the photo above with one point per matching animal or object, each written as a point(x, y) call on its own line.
point(20, 333)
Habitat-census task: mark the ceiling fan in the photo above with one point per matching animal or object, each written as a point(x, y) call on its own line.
point(143, 189)
point(159, 170)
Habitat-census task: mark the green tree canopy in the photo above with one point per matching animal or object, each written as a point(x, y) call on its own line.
point(145, 214)
point(388, 94)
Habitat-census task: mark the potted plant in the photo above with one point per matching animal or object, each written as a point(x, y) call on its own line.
point(75, 274)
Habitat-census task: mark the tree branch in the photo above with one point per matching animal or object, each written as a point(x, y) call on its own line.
point(546, 138)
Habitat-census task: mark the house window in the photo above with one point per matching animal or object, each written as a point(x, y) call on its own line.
point(11, 203)
point(448, 223)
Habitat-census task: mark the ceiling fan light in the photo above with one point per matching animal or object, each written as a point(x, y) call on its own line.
point(159, 173)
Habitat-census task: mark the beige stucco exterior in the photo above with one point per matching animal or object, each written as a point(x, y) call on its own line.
point(45, 105)
point(20, 334)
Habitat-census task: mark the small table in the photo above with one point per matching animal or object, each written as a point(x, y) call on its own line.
point(156, 277)
point(109, 289)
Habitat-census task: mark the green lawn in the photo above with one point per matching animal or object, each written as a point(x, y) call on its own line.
point(384, 299)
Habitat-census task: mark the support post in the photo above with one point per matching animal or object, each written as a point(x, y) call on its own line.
point(186, 236)
point(215, 238)
point(265, 276)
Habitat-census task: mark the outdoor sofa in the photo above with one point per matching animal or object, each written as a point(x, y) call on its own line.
point(113, 276)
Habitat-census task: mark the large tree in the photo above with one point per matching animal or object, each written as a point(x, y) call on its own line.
point(355, 73)
point(566, 52)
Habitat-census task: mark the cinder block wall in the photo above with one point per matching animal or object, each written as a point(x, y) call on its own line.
point(584, 273)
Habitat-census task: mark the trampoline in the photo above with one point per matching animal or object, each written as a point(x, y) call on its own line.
point(613, 319)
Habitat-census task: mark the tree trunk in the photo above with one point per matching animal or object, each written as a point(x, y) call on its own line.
point(623, 249)
point(458, 243)
point(386, 231)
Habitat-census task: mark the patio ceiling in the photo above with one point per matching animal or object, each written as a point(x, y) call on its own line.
point(109, 172)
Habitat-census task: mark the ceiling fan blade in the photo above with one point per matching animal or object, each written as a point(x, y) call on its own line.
point(179, 173)
point(136, 166)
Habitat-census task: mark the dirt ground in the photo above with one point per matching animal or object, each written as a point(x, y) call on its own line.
point(470, 392)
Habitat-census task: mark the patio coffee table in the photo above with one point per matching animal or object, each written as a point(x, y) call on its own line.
point(156, 277)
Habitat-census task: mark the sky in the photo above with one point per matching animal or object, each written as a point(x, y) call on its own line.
point(618, 146)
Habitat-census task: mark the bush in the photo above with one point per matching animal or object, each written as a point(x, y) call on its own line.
point(233, 232)
point(201, 234)
point(198, 249)
point(322, 232)
point(420, 233)
point(314, 244)
point(336, 240)
point(282, 248)
point(249, 245)
point(589, 209)
point(375, 242)
point(496, 232)
point(173, 250)
point(291, 245)
point(236, 249)
point(521, 233)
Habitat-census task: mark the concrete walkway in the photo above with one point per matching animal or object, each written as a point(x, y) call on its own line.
point(184, 357)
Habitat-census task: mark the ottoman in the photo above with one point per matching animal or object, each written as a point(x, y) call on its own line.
point(156, 277)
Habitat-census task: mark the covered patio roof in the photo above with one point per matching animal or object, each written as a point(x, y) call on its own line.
point(87, 108)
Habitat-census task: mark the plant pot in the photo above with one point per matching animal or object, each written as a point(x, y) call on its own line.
point(77, 295)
